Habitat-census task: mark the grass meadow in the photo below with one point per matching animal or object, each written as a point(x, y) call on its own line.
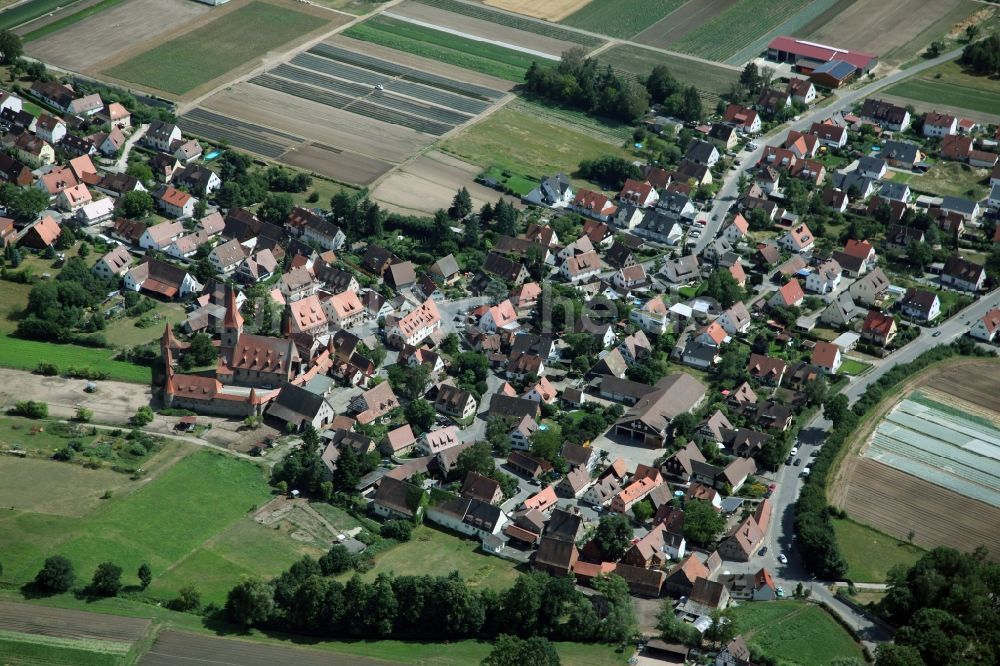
point(620, 18)
point(435, 552)
point(21, 648)
point(869, 553)
point(187, 520)
point(949, 85)
point(527, 145)
point(437, 45)
point(796, 631)
point(27, 354)
point(711, 80)
point(28, 11)
point(197, 57)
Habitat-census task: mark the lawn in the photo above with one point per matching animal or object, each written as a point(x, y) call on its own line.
point(797, 631)
point(124, 332)
point(729, 31)
point(852, 367)
point(948, 84)
point(869, 553)
point(533, 147)
point(438, 553)
point(710, 80)
point(620, 18)
point(952, 179)
point(208, 52)
point(470, 54)
point(163, 522)
point(27, 354)
point(70, 19)
point(72, 490)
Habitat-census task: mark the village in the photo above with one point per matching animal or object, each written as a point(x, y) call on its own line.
point(633, 374)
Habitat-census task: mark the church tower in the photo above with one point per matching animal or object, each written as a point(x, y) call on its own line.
point(232, 325)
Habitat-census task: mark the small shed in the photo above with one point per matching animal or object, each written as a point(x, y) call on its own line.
point(187, 423)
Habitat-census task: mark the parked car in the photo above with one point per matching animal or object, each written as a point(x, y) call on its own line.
point(794, 450)
point(788, 460)
point(782, 558)
point(762, 551)
point(798, 461)
point(936, 334)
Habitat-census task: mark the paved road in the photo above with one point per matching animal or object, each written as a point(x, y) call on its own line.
point(780, 539)
point(845, 99)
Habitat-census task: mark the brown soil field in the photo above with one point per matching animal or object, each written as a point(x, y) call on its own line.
point(678, 23)
point(894, 502)
point(345, 167)
point(862, 26)
point(317, 122)
point(52, 17)
point(480, 28)
point(174, 648)
point(550, 10)
point(62, 623)
point(424, 64)
point(84, 45)
point(430, 182)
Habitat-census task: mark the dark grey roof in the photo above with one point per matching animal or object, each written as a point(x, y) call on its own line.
point(869, 163)
point(900, 151)
point(701, 152)
point(958, 204)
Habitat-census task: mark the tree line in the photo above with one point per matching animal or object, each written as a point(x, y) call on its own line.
point(983, 57)
point(305, 599)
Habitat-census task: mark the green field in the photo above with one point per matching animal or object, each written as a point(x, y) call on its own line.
point(615, 133)
point(435, 552)
point(543, 28)
point(183, 520)
point(620, 18)
point(27, 354)
point(952, 179)
point(949, 85)
point(28, 11)
point(70, 19)
point(710, 80)
point(852, 367)
point(20, 648)
point(796, 631)
point(124, 332)
point(527, 145)
point(437, 45)
point(731, 30)
point(869, 553)
point(204, 54)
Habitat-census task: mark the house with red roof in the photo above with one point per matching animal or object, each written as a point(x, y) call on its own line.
point(42, 234)
point(790, 295)
point(939, 124)
point(879, 328)
point(985, 329)
point(827, 356)
point(803, 145)
point(956, 147)
point(594, 204)
point(640, 193)
point(744, 119)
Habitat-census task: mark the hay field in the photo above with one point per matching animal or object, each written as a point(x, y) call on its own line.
point(110, 34)
point(550, 10)
point(228, 42)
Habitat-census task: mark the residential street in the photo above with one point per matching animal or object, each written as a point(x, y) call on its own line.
point(846, 99)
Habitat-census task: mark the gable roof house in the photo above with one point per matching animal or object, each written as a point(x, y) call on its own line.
point(113, 264)
point(827, 356)
point(555, 191)
point(768, 370)
point(160, 278)
point(790, 295)
point(833, 136)
point(174, 202)
point(798, 239)
point(920, 304)
point(42, 234)
point(593, 204)
point(939, 124)
point(890, 116)
point(198, 179)
point(986, 327)
point(398, 500)
point(879, 328)
point(901, 154)
point(455, 402)
point(963, 274)
point(744, 119)
point(414, 327)
point(871, 288)
point(159, 236)
point(825, 278)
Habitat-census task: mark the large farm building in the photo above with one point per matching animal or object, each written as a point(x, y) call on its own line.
point(808, 56)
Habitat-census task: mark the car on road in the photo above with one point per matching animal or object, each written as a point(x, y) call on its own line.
point(936, 334)
point(762, 551)
point(782, 558)
point(798, 461)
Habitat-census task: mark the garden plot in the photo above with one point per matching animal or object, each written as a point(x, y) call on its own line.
point(341, 113)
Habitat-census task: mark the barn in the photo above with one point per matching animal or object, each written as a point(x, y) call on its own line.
point(807, 56)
